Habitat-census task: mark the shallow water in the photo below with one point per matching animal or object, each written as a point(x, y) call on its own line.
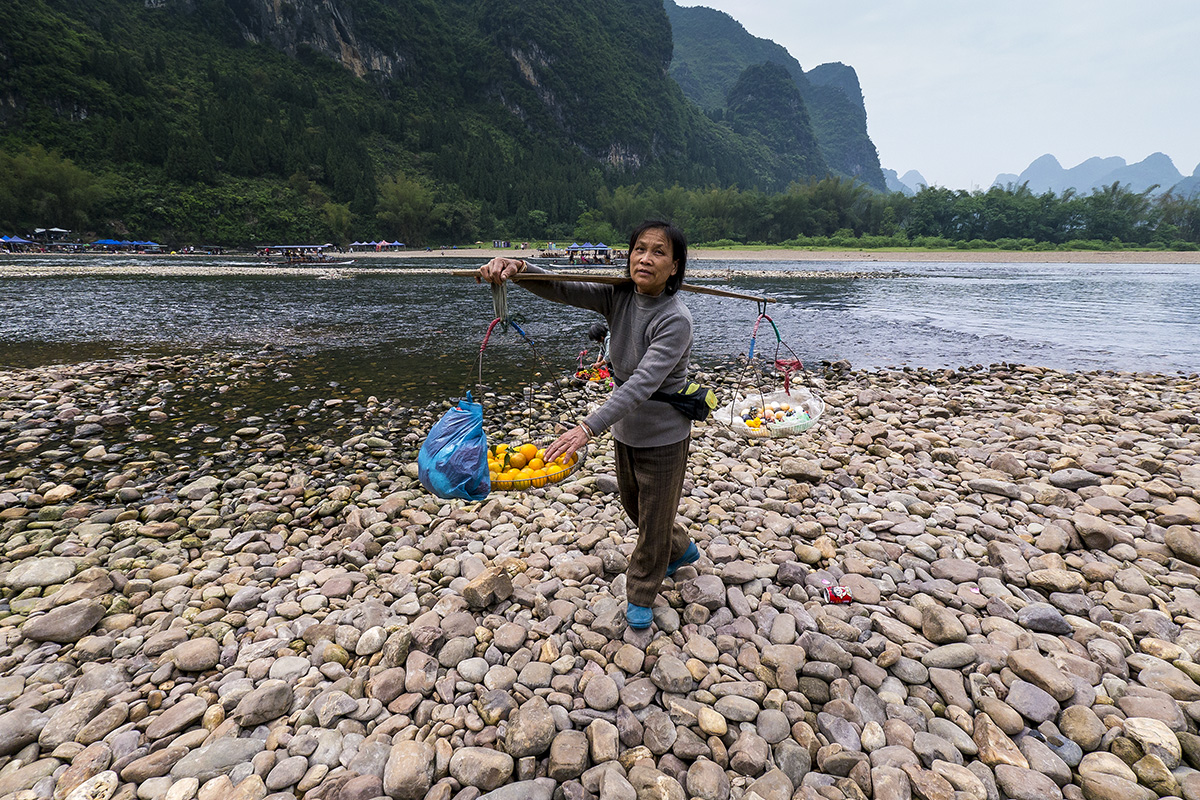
point(398, 331)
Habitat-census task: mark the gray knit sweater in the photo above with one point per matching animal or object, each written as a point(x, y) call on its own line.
point(651, 343)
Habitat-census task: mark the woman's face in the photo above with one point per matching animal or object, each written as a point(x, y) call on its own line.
point(652, 261)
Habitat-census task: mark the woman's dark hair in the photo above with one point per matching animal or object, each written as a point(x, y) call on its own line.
point(678, 249)
point(597, 331)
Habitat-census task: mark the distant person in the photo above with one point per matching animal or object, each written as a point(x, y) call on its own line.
point(598, 332)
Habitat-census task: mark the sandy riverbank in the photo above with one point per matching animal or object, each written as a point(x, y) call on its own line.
point(962, 256)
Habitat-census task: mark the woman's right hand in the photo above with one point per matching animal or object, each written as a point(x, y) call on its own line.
point(498, 270)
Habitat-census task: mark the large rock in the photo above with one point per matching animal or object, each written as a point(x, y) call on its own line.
point(707, 781)
point(198, 488)
point(994, 745)
point(1073, 478)
point(538, 789)
point(489, 587)
point(481, 767)
point(217, 758)
point(672, 675)
point(705, 590)
point(1095, 532)
point(197, 655)
point(568, 755)
point(941, 625)
point(801, 469)
point(65, 624)
point(653, 784)
point(20, 727)
point(67, 720)
point(177, 717)
point(1155, 738)
point(271, 700)
point(1184, 543)
point(1025, 784)
point(1041, 672)
point(1032, 702)
point(530, 730)
point(409, 770)
point(40, 572)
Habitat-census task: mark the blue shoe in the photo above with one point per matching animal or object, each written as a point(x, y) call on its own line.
point(690, 556)
point(638, 617)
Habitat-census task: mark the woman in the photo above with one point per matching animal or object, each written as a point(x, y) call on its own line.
point(649, 347)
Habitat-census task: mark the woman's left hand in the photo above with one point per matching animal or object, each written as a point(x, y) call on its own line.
point(567, 444)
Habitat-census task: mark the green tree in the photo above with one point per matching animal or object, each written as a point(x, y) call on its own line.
point(40, 188)
point(340, 221)
point(405, 209)
point(537, 222)
point(591, 226)
point(1115, 212)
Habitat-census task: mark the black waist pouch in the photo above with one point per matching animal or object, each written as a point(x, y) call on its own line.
point(693, 401)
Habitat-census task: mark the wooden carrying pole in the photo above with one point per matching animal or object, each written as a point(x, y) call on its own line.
point(611, 280)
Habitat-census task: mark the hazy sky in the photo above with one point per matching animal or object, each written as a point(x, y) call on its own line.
point(962, 90)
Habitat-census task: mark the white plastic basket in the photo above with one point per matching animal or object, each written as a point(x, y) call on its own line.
point(799, 398)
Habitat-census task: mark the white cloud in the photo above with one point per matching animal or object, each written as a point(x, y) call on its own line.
point(961, 91)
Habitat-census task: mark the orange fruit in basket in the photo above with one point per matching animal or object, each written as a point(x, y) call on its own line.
point(528, 450)
point(516, 460)
point(536, 463)
point(540, 478)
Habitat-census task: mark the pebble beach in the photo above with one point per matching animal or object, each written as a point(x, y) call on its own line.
point(204, 600)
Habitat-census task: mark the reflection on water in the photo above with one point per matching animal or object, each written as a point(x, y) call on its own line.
point(396, 332)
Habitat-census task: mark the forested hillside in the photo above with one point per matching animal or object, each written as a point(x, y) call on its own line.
point(712, 50)
point(247, 121)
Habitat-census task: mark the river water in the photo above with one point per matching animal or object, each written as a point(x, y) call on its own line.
point(398, 331)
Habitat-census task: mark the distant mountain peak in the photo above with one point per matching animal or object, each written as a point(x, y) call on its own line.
point(1043, 162)
point(1046, 174)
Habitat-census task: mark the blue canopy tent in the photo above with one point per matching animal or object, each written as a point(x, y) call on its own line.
point(588, 252)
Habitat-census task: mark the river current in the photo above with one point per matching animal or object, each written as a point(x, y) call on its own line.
point(398, 330)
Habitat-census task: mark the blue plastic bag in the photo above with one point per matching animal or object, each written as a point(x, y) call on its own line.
point(453, 459)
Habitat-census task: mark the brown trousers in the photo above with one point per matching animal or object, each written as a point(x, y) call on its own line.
point(650, 480)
